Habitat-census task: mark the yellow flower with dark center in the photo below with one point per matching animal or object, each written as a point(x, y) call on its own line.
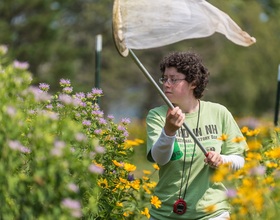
point(146, 212)
point(103, 183)
point(155, 201)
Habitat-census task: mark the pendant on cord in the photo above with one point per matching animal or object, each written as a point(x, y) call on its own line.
point(180, 207)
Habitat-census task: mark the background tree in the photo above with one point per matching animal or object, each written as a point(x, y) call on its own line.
point(57, 38)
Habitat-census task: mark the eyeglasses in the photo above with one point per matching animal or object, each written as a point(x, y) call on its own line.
point(170, 80)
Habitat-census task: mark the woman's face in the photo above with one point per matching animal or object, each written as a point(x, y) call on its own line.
point(179, 89)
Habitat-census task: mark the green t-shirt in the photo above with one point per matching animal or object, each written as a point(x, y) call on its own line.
point(201, 193)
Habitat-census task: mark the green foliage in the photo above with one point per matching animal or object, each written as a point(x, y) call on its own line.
point(45, 157)
point(60, 157)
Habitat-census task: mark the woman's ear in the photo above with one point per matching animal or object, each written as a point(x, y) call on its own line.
point(193, 85)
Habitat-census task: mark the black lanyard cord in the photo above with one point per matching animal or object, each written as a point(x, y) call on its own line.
point(185, 152)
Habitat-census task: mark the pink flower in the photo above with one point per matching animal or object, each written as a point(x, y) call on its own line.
point(20, 65)
point(125, 121)
point(86, 123)
point(74, 206)
point(95, 169)
point(73, 187)
point(65, 82)
point(96, 91)
point(231, 193)
point(16, 145)
point(100, 149)
point(44, 87)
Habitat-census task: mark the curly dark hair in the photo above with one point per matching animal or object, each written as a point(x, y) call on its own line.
point(190, 64)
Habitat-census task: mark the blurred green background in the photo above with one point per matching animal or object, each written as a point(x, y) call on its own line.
point(57, 38)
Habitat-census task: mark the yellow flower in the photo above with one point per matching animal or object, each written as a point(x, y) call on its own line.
point(269, 180)
point(117, 163)
point(156, 166)
point(220, 173)
point(135, 184)
point(223, 137)
point(147, 172)
point(129, 167)
point(271, 164)
point(98, 164)
point(245, 129)
point(210, 208)
point(243, 211)
point(139, 141)
point(152, 184)
point(274, 153)
point(146, 212)
point(126, 214)
point(122, 152)
point(238, 139)
point(120, 204)
point(253, 132)
point(147, 190)
point(123, 180)
point(145, 178)
point(119, 186)
point(130, 143)
point(247, 183)
point(103, 183)
point(254, 145)
point(253, 156)
point(156, 202)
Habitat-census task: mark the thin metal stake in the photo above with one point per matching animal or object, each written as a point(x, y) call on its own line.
point(98, 50)
point(167, 101)
point(277, 99)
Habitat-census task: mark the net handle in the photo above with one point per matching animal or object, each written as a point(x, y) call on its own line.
point(167, 101)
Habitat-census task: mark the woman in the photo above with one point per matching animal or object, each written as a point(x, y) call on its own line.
point(184, 187)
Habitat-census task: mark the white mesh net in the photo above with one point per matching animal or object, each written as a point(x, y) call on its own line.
point(142, 24)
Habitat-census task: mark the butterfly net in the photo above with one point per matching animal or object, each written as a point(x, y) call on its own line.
point(143, 24)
